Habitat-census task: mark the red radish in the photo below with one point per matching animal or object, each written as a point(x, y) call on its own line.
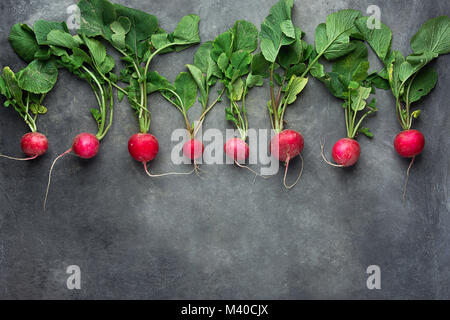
point(143, 147)
point(85, 145)
point(346, 152)
point(237, 149)
point(287, 145)
point(409, 143)
point(33, 144)
point(193, 149)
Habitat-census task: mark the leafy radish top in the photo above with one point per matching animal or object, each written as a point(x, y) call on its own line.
point(26, 90)
point(182, 94)
point(138, 38)
point(232, 52)
point(409, 78)
point(349, 80)
point(79, 54)
point(283, 58)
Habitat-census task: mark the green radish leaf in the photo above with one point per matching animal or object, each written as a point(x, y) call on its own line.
point(254, 81)
point(293, 53)
point(379, 39)
point(422, 84)
point(107, 65)
point(366, 132)
point(433, 36)
point(229, 115)
point(354, 66)
point(203, 61)
point(245, 36)
point(156, 82)
point(259, 65)
point(393, 67)
point(273, 35)
point(240, 60)
point(61, 39)
point(97, 50)
point(359, 97)
point(186, 88)
point(200, 80)
point(12, 85)
point(333, 37)
point(294, 87)
point(223, 62)
point(80, 54)
point(43, 27)
point(120, 28)
point(237, 89)
point(186, 31)
point(23, 41)
point(377, 81)
point(38, 77)
point(96, 17)
point(97, 115)
point(142, 27)
point(223, 44)
point(288, 29)
point(415, 114)
point(295, 70)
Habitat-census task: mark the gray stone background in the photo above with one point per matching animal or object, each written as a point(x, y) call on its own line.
point(223, 236)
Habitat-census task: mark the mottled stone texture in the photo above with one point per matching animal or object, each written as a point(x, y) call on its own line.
point(223, 236)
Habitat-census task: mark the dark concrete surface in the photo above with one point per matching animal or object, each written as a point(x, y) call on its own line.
point(223, 236)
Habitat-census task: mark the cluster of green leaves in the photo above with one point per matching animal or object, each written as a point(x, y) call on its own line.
point(202, 76)
point(53, 46)
point(349, 80)
point(26, 90)
point(409, 78)
point(138, 38)
point(283, 58)
point(232, 52)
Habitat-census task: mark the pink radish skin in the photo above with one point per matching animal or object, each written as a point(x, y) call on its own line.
point(85, 145)
point(193, 149)
point(143, 147)
point(346, 152)
point(286, 145)
point(34, 144)
point(409, 143)
point(237, 149)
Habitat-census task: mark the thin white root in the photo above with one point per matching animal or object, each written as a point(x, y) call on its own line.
point(18, 159)
point(50, 175)
point(322, 146)
point(285, 174)
point(166, 174)
point(406, 179)
point(250, 169)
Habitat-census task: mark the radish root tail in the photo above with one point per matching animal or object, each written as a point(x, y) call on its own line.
point(406, 179)
point(250, 169)
point(165, 174)
point(322, 146)
point(50, 175)
point(285, 174)
point(18, 159)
